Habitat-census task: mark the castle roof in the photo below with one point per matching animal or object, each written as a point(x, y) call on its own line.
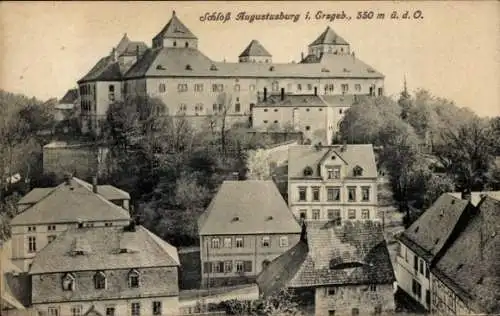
point(175, 29)
point(255, 48)
point(329, 37)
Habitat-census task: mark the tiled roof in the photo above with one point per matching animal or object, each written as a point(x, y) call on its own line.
point(471, 264)
point(105, 243)
point(35, 195)
point(172, 62)
point(255, 48)
point(70, 97)
point(175, 29)
point(430, 232)
point(71, 203)
point(106, 70)
point(476, 197)
point(247, 207)
point(354, 253)
point(302, 156)
point(329, 37)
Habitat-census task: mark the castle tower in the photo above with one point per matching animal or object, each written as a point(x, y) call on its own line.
point(175, 34)
point(255, 53)
point(329, 43)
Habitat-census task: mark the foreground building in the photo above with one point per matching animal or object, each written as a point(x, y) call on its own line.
point(192, 85)
point(336, 270)
point(246, 225)
point(332, 183)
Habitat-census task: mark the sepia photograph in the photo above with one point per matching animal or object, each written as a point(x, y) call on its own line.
point(254, 158)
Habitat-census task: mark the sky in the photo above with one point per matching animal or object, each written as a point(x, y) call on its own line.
point(452, 49)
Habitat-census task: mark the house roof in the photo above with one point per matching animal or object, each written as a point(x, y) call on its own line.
point(175, 29)
point(470, 265)
point(354, 253)
point(329, 37)
point(133, 48)
point(292, 100)
point(255, 48)
point(106, 69)
point(302, 156)
point(70, 203)
point(430, 232)
point(70, 97)
point(104, 243)
point(247, 207)
point(35, 195)
point(476, 197)
point(172, 62)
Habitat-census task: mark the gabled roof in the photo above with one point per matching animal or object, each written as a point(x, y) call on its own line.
point(470, 265)
point(122, 45)
point(70, 97)
point(431, 231)
point(255, 48)
point(104, 244)
point(302, 156)
point(247, 207)
point(329, 37)
point(175, 29)
point(71, 202)
point(354, 253)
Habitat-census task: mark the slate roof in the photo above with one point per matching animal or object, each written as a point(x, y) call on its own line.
point(470, 265)
point(172, 62)
point(70, 97)
point(302, 156)
point(70, 203)
point(247, 207)
point(255, 48)
point(429, 234)
point(105, 243)
point(175, 29)
point(476, 197)
point(354, 253)
point(329, 37)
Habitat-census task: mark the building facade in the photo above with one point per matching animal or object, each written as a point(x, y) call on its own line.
point(192, 85)
point(245, 227)
point(46, 213)
point(335, 183)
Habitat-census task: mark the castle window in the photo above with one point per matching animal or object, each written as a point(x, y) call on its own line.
point(239, 242)
point(217, 87)
point(135, 309)
point(175, 43)
point(100, 280)
point(345, 88)
point(299, 87)
point(50, 238)
point(237, 107)
point(331, 291)
point(188, 67)
point(358, 171)
point(215, 243)
point(157, 305)
point(182, 107)
point(275, 121)
point(365, 214)
point(161, 88)
point(315, 191)
point(357, 87)
point(365, 193)
point(303, 214)
point(302, 194)
point(351, 196)
point(266, 242)
point(308, 171)
point(186, 45)
point(31, 244)
point(265, 121)
point(315, 214)
point(53, 311)
point(133, 279)
point(76, 310)
point(252, 87)
point(284, 241)
point(227, 242)
point(68, 282)
point(199, 107)
point(351, 214)
point(236, 87)
point(309, 87)
point(214, 107)
point(182, 87)
point(333, 194)
point(198, 87)
point(275, 86)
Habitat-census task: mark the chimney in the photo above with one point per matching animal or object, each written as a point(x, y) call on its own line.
point(94, 184)
point(265, 94)
point(466, 195)
point(315, 91)
point(282, 94)
point(301, 56)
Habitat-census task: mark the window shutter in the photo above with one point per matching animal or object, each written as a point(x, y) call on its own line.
point(247, 266)
point(206, 267)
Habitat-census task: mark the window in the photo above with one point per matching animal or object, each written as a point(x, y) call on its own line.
point(365, 194)
point(215, 243)
point(182, 107)
point(156, 308)
point(251, 87)
point(365, 214)
point(236, 87)
point(345, 88)
point(333, 194)
point(215, 107)
point(309, 87)
point(380, 91)
point(221, 107)
point(32, 228)
point(135, 308)
point(237, 107)
point(31, 244)
point(333, 173)
point(217, 87)
point(108, 224)
point(351, 192)
point(303, 214)
point(198, 87)
point(68, 282)
point(415, 263)
point(315, 191)
point(351, 214)
point(100, 280)
point(355, 311)
point(175, 43)
point(358, 171)
point(110, 311)
point(275, 86)
point(185, 45)
point(182, 87)
point(357, 87)
point(302, 193)
point(76, 310)
point(198, 107)
point(50, 238)
point(308, 127)
point(283, 241)
point(53, 311)
point(239, 266)
point(329, 87)
point(239, 242)
point(422, 266)
point(111, 92)
point(227, 242)
point(266, 242)
point(331, 312)
point(427, 297)
point(373, 288)
point(334, 215)
point(378, 309)
point(161, 88)
point(133, 279)
point(416, 289)
point(315, 214)
point(247, 266)
point(51, 227)
point(427, 272)
point(331, 291)
point(299, 87)
point(228, 266)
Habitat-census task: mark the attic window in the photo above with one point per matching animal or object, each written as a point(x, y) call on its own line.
point(325, 70)
point(346, 70)
point(188, 67)
point(68, 282)
point(213, 67)
point(160, 67)
point(308, 171)
point(358, 171)
point(269, 218)
point(370, 70)
point(271, 68)
point(133, 278)
point(235, 219)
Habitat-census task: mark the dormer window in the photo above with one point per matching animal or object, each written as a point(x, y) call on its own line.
point(68, 282)
point(358, 171)
point(213, 67)
point(188, 67)
point(333, 172)
point(308, 171)
point(160, 67)
point(271, 68)
point(100, 280)
point(133, 279)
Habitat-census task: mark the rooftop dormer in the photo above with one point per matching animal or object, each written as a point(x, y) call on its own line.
point(175, 34)
point(329, 42)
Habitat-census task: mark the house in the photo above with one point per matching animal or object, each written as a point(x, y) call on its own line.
point(332, 182)
point(246, 225)
point(106, 271)
point(465, 278)
point(194, 86)
point(335, 270)
point(67, 105)
point(48, 212)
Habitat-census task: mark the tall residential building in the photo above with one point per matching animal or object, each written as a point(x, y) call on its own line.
point(334, 183)
point(246, 225)
point(48, 212)
point(194, 86)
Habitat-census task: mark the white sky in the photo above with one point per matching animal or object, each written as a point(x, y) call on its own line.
point(453, 51)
